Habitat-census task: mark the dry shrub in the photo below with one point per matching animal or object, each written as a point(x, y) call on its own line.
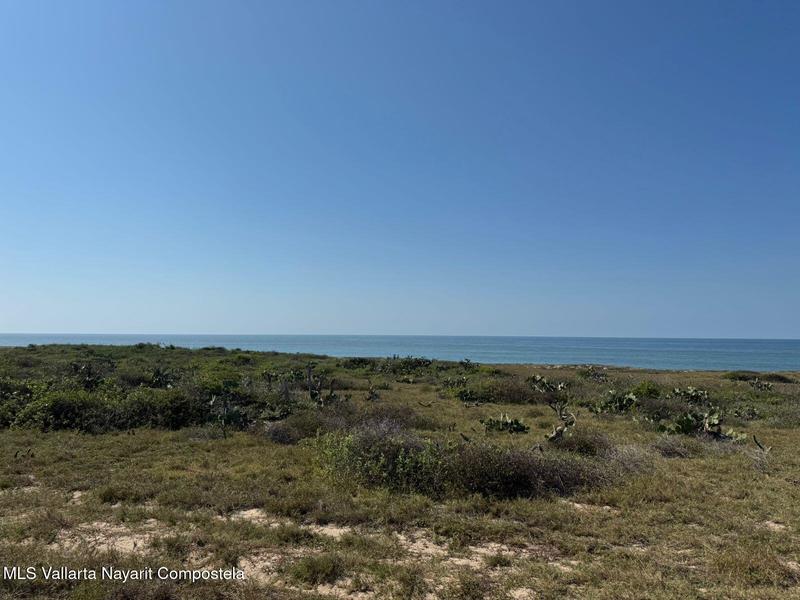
point(589, 442)
point(375, 456)
point(673, 446)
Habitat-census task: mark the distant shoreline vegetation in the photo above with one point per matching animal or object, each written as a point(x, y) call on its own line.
point(95, 389)
point(645, 353)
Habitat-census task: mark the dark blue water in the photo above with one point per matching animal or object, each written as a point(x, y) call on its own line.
point(655, 353)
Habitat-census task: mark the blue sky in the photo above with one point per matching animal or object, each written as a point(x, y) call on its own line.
point(512, 168)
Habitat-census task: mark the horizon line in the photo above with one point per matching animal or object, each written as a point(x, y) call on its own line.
point(431, 335)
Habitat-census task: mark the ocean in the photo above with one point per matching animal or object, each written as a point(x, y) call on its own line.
point(648, 353)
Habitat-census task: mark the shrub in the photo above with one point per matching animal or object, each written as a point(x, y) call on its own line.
point(280, 403)
point(544, 386)
point(593, 373)
point(670, 446)
point(356, 363)
point(409, 365)
point(304, 424)
point(746, 413)
point(496, 561)
point(133, 374)
point(702, 423)
point(785, 416)
point(691, 395)
point(283, 433)
point(89, 375)
point(660, 409)
point(169, 408)
point(589, 442)
point(752, 375)
point(740, 375)
point(647, 389)
point(77, 409)
point(500, 472)
point(505, 423)
point(406, 463)
point(777, 378)
point(499, 391)
point(451, 383)
point(614, 402)
point(376, 457)
point(14, 395)
point(310, 422)
point(512, 391)
point(472, 396)
point(403, 415)
point(318, 569)
point(760, 386)
point(629, 459)
point(469, 586)
point(411, 583)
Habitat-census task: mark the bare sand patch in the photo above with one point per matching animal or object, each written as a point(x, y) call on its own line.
point(592, 507)
point(102, 536)
point(565, 566)
point(330, 530)
point(257, 516)
point(773, 526)
point(419, 544)
point(262, 566)
point(343, 589)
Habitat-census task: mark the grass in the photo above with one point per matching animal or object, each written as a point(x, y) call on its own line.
point(318, 569)
point(403, 496)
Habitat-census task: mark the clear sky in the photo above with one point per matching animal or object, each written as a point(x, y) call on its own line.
point(424, 167)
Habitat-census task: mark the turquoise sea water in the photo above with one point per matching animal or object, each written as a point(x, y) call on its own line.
point(654, 353)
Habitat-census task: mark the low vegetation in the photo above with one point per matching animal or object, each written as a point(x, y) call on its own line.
point(398, 477)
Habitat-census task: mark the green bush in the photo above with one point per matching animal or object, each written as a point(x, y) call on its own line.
point(97, 413)
point(614, 402)
point(75, 409)
point(500, 472)
point(660, 409)
point(752, 375)
point(170, 409)
point(496, 391)
point(398, 461)
point(691, 395)
point(133, 373)
point(408, 365)
point(90, 374)
point(310, 422)
point(14, 395)
point(473, 395)
point(505, 423)
point(357, 363)
point(647, 389)
point(708, 423)
point(546, 387)
point(406, 463)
